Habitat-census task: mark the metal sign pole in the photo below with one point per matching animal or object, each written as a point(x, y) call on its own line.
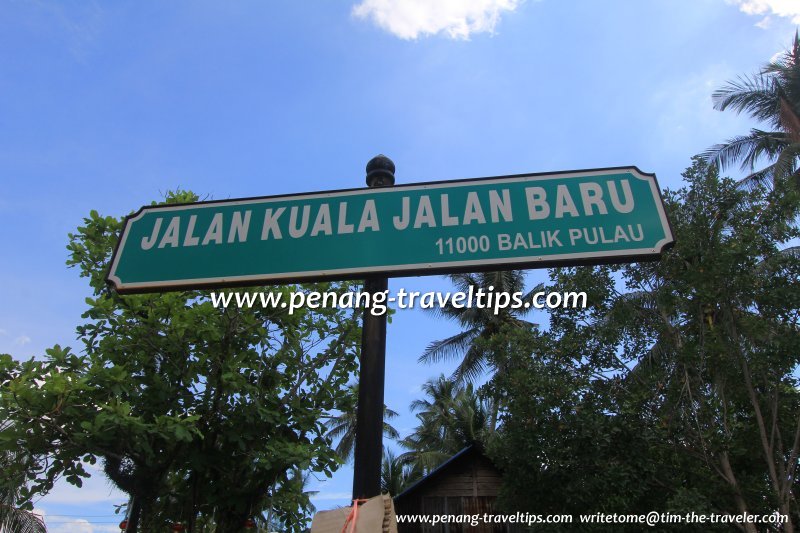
point(369, 411)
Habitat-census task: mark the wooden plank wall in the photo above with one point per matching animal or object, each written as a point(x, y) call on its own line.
point(468, 486)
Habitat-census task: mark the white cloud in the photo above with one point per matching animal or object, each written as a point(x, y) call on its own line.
point(105, 528)
point(22, 340)
point(96, 496)
point(764, 23)
point(78, 525)
point(64, 524)
point(60, 524)
point(3, 332)
point(776, 56)
point(458, 19)
point(781, 8)
point(78, 25)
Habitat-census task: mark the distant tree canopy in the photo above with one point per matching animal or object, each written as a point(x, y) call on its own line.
point(450, 417)
point(677, 389)
point(202, 415)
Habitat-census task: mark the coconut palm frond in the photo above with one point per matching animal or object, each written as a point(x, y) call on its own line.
point(450, 347)
point(771, 96)
point(478, 323)
point(343, 428)
point(639, 302)
point(787, 61)
point(472, 366)
point(12, 518)
point(528, 296)
point(451, 417)
point(747, 149)
point(19, 521)
point(396, 474)
point(760, 179)
point(462, 282)
point(792, 252)
point(754, 95)
point(347, 445)
point(426, 460)
point(788, 160)
point(648, 363)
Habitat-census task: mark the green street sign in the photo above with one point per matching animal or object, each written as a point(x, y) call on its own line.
point(522, 221)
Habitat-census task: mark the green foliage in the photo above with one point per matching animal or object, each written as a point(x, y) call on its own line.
point(15, 510)
point(478, 324)
point(454, 417)
point(677, 388)
point(396, 474)
point(342, 427)
point(771, 96)
point(194, 411)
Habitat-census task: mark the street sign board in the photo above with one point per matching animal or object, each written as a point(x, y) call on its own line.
point(521, 221)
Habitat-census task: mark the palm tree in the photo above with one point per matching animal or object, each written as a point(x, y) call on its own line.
point(771, 96)
point(479, 324)
point(453, 418)
point(396, 475)
point(430, 444)
point(12, 518)
point(343, 427)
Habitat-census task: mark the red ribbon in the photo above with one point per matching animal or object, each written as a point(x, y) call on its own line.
point(352, 518)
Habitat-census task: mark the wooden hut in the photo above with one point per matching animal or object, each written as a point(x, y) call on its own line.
point(466, 484)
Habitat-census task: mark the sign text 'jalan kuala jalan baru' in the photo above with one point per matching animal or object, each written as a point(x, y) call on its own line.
point(534, 220)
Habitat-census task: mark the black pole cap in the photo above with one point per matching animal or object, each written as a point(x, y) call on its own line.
point(380, 172)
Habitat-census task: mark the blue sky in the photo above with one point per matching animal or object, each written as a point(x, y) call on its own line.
point(107, 105)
